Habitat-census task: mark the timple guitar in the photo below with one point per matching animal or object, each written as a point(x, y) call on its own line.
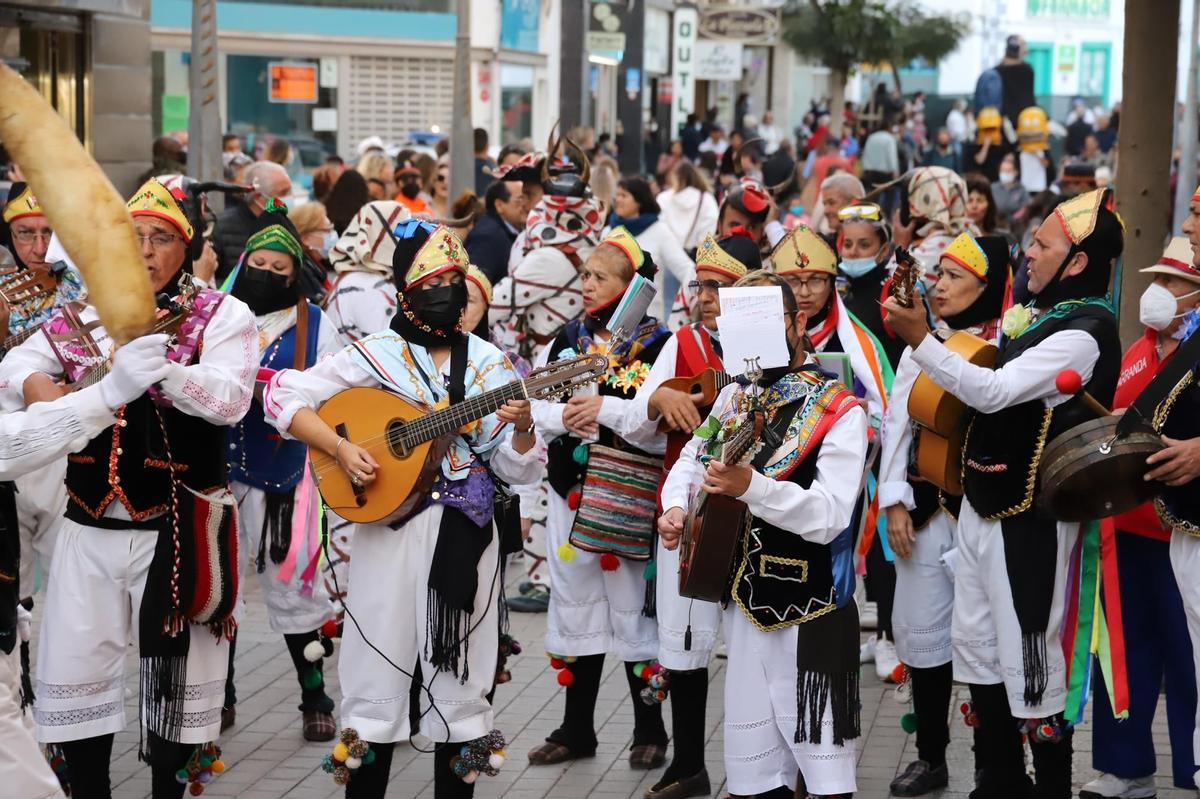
point(714, 523)
point(708, 384)
point(27, 286)
point(409, 442)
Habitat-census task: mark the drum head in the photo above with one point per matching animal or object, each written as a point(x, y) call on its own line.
point(1087, 473)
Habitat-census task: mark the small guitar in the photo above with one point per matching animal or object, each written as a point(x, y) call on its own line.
point(708, 384)
point(176, 311)
point(714, 523)
point(27, 286)
point(942, 417)
point(410, 441)
point(904, 280)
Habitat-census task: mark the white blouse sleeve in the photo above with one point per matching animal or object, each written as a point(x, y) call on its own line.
point(896, 435)
point(822, 511)
point(1029, 376)
point(218, 388)
point(47, 431)
point(289, 390)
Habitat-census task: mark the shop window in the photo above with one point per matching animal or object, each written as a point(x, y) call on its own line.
point(49, 50)
point(516, 102)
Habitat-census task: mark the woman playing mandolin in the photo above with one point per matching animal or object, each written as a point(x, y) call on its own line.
point(970, 295)
point(424, 591)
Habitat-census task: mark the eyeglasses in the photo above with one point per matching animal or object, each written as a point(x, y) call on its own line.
point(157, 240)
point(29, 236)
point(809, 285)
point(864, 211)
point(701, 286)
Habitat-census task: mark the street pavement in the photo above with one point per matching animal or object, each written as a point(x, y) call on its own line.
point(267, 757)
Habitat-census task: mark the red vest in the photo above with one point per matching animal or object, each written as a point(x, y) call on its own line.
point(691, 358)
point(1138, 368)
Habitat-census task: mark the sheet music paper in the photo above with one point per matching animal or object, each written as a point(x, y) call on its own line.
point(752, 325)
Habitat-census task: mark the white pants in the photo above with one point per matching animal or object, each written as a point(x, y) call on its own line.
point(1185, 559)
point(289, 610)
point(91, 620)
point(676, 614)
point(592, 611)
point(337, 570)
point(24, 772)
point(41, 502)
point(985, 631)
point(389, 579)
point(925, 597)
point(760, 718)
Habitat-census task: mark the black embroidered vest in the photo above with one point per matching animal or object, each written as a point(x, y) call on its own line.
point(1003, 449)
point(129, 461)
point(1178, 416)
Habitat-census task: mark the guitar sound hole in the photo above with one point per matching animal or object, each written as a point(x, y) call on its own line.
point(397, 441)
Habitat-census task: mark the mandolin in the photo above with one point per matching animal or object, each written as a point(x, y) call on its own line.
point(409, 441)
point(715, 522)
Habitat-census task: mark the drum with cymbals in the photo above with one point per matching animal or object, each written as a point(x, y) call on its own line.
point(1090, 471)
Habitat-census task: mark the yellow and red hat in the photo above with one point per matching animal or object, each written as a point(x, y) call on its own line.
point(1078, 215)
point(623, 240)
point(476, 276)
point(803, 250)
point(710, 255)
point(442, 252)
point(21, 203)
point(1177, 260)
point(155, 200)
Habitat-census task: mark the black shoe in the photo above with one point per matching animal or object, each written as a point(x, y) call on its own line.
point(919, 779)
point(695, 785)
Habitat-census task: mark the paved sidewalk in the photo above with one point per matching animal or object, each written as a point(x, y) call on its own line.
point(268, 759)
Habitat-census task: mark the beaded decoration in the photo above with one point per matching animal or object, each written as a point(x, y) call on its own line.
point(657, 681)
point(509, 647)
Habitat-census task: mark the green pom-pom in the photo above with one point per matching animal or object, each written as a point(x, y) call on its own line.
point(580, 454)
point(369, 757)
point(650, 570)
point(908, 723)
point(312, 680)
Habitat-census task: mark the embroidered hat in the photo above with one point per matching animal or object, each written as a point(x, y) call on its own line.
point(967, 253)
point(476, 276)
point(622, 239)
point(21, 203)
point(732, 256)
point(153, 199)
point(276, 238)
point(439, 251)
point(1078, 215)
point(1176, 260)
point(803, 250)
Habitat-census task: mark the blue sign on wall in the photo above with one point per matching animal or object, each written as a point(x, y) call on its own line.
point(519, 24)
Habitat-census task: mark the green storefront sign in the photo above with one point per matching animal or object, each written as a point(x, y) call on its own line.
point(1069, 9)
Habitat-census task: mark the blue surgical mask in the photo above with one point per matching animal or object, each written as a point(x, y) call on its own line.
point(857, 267)
point(331, 239)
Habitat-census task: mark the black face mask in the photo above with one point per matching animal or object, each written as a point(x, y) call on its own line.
point(441, 308)
point(410, 189)
point(263, 291)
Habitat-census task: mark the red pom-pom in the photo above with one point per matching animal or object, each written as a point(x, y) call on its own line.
point(1068, 382)
point(898, 673)
point(329, 629)
point(964, 708)
point(556, 663)
point(609, 562)
point(195, 789)
point(573, 500)
point(565, 678)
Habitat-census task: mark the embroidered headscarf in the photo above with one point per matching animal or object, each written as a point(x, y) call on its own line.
point(571, 224)
point(368, 244)
point(939, 196)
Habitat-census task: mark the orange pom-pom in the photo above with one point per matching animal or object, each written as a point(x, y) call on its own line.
point(573, 500)
point(218, 767)
point(609, 562)
point(898, 673)
point(565, 678)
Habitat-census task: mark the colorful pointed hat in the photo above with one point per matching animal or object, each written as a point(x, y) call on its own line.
point(153, 199)
point(622, 239)
point(477, 276)
point(441, 252)
point(966, 252)
point(1078, 215)
point(734, 263)
point(803, 250)
point(21, 203)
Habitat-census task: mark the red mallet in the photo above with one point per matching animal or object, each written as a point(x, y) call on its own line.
point(1070, 382)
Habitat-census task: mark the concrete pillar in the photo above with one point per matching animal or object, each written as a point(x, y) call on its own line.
point(121, 126)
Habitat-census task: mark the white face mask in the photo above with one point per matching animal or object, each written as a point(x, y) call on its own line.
point(1008, 177)
point(1156, 309)
point(857, 267)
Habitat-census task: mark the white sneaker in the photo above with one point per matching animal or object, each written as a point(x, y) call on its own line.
point(866, 652)
point(885, 659)
point(1107, 786)
point(868, 616)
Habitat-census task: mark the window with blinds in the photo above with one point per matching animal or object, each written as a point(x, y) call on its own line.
point(393, 97)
